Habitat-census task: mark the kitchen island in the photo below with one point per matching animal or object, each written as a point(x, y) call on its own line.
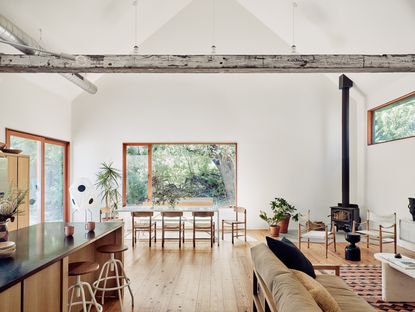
point(36, 277)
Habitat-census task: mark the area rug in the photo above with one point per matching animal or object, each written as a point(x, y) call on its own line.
point(366, 280)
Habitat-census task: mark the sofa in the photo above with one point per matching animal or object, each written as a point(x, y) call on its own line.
point(276, 288)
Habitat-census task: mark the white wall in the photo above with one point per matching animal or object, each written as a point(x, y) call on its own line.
point(26, 107)
point(390, 166)
point(287, 128)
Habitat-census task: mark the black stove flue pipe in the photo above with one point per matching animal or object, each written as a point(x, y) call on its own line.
point(345, 84)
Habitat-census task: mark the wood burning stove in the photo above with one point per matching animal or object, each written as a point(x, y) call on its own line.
point(345, 213)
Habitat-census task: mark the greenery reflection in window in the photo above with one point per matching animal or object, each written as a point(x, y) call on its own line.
point(187, 170)
point(394, 121)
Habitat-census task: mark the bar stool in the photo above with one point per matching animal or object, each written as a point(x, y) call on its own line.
point(172, 224)
point(116, 265)
point(77, 269)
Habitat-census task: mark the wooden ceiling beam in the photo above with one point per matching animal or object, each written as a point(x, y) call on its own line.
point(320, 63)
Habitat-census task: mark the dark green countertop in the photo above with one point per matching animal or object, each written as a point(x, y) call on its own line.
point(40, 245)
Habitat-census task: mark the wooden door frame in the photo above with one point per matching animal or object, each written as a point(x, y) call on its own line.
point(150, 165)
point(48, 140)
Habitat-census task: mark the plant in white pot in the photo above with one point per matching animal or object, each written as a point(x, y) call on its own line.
point(108, 182)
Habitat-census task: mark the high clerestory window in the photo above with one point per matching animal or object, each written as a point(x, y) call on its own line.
point(392, 121)
point(191, 170)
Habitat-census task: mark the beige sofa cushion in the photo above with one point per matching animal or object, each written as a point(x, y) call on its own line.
point(288, 293)
point(348, 300)
point(318, 292)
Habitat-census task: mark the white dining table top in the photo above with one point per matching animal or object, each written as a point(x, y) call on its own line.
point(138, 208)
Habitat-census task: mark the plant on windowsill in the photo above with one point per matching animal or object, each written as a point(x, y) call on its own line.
point(9, 208)
point(282, 211)
point(108, 184)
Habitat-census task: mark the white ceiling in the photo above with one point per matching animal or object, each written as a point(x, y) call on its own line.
point(186, 27)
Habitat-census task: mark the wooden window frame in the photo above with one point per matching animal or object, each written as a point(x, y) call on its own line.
point(47, 140)
point(150, 165)
point(370, 114)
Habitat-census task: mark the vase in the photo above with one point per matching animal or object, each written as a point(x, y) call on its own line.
point(411, 207)
point(284, 223)
point(4, 232)
point(274, 230)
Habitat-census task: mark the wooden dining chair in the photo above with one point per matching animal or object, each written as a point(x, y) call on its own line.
point(206, 226)
point(171, 221)
point(145, 223)
point(236, 225)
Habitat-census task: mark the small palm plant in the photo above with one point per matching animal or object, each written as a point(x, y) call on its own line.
point(108, 183)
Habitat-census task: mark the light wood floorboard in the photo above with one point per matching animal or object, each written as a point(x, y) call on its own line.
point(205, 279)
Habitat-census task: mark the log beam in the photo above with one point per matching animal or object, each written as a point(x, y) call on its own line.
point(347, 63)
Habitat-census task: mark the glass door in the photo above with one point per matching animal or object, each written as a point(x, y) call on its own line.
point(32, 148)
point(48, 175)
point(54, 181)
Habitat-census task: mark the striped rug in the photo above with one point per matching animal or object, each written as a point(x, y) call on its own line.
point(366, 280)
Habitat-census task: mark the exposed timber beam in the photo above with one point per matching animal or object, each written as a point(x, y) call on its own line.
point(321, 63)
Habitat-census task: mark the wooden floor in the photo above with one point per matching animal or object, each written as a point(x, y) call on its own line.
point(205, 279)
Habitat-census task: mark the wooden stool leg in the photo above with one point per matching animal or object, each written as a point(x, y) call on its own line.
point(194, 233)
point(180, 234)
point(211, 234)
point(233, 230)
point(162, 235)
point(155, 232)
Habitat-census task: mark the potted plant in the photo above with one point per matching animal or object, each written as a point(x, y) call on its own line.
point(107, 182)
point(272, 221)
point(282, 212)
point(9, 208)
point(281, 206)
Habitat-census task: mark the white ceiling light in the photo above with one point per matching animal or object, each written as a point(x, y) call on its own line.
point(213, 47)
point(135, 47)
point(293, 46)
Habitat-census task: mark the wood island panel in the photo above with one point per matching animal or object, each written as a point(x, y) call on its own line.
point(10, 299)
point(42, 291)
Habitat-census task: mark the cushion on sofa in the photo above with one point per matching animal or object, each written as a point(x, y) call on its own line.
point(288, 293)
point(318, 292)
point(347, 300)
point(291, 256)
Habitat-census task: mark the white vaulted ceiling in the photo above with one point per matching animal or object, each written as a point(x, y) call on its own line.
point(186, 27)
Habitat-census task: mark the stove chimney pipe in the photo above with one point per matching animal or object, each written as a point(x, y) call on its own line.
point(345, 84)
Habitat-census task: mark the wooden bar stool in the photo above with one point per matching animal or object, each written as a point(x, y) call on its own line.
point(116, 265)
point(145, 224)
point(236, 224)
point(174, 223)
point(77, 269)
point(203, 226)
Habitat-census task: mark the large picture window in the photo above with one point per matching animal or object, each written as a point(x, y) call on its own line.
point(48, 175)
point(394, 120)
point(190, 170)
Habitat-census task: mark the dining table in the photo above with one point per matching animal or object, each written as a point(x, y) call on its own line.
point(184, 209)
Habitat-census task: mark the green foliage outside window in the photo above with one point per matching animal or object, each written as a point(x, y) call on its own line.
point(395, 121)
point(182, 171)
